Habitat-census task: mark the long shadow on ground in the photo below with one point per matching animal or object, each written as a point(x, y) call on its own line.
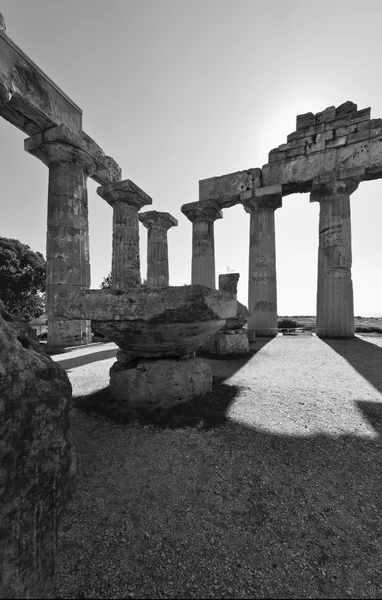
point(230, 512)
point(364, 357)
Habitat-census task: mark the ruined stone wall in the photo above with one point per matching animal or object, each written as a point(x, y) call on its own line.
point(330, 141)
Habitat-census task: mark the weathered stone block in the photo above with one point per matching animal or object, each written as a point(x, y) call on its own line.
point(347, 108)
point(295, 151)
point(318, 147)
point(336, 143)
point(325, 135)
point(160, 383)
point(326, 115)
point(231, 342)
point(359, 136)
point(38, 462)
point(306, 120)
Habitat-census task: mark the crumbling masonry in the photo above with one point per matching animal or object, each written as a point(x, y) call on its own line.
point(328, 155)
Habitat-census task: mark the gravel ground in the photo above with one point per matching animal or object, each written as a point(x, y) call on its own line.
point(268, 487)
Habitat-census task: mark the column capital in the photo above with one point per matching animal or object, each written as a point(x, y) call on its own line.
point(153, 219)
point(60, 146)
point(207, 211)
point(266, 198)
point(344, 181)
point(124, 191)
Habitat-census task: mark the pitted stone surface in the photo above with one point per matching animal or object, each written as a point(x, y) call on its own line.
point(153, 322)
point(38, 462)
point(160, 383)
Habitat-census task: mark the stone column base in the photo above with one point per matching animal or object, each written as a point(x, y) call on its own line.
point(63, 333)
point(159, 383)
point(230, 341)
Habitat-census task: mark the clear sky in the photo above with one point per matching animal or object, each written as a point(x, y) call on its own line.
point(181, 90)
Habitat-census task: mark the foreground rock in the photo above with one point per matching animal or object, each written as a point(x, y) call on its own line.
point(38, 462)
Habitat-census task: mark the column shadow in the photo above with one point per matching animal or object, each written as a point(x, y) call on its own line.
point(364, 357)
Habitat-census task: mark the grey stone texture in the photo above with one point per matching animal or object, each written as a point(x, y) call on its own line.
point(160, 383)
point(335, 311)
point(157, 224)
point(127, 199)
point(337, 143)
point(202, 215)
point(152, 323)
point(262, 291)
point(225, 190)
point(230, 341)
point(68, 260)
point(38, 462)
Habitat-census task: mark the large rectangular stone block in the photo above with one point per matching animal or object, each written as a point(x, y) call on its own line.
point(36, 103)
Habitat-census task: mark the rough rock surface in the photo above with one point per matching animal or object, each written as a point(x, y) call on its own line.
point(152, 322)
point(38, 462)
point(240, 320)
point(160, 383)
point(228, 283)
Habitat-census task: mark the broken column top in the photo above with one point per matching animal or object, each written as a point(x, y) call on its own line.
point(153, 218)
point(124, 191)
point(3, 26)
point(208, 210)
point(228, 282)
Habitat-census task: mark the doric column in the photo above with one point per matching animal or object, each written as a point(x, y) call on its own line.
point(261, 204)
point(335, 311)
point(157, 223)
point(202, 216)
point(127, 199)
point(67, 249)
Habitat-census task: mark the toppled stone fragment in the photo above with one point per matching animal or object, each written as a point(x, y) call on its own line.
point(152, 322)
point(38, 462)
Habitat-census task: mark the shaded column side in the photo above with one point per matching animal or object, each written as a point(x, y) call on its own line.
point(67, 252)
point(262, 287)
point(157, 223)
point(126, 199)
point(203, 243)
point(335, 308)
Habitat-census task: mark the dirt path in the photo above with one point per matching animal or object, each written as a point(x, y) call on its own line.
point(280, 497)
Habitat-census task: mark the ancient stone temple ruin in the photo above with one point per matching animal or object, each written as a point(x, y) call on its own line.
point(328, 155)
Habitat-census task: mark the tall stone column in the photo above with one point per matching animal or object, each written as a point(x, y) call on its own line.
point(335, 311)
point(127, 199)
point(67, 248)
point(157, 223)
point(202, 217)
point(261, 204)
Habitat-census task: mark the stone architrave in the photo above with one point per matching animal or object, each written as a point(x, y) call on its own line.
point(157, 223)
point(335, 310)
point(38, 461)
point(202, 216)
point(127, 199)
point(261, 204)
point(67, 253)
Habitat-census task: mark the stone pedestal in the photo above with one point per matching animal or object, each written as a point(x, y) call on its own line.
point(202, 217)
point(157, 223)
point(67, 253)
point(335, 312)
point(261, 204)
point(159, 383)
point(127, 199)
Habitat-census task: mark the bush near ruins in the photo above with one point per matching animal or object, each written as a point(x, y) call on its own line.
point(22, 279)
point(287, 324)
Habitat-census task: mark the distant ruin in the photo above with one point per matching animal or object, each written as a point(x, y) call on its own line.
point(328, 155)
